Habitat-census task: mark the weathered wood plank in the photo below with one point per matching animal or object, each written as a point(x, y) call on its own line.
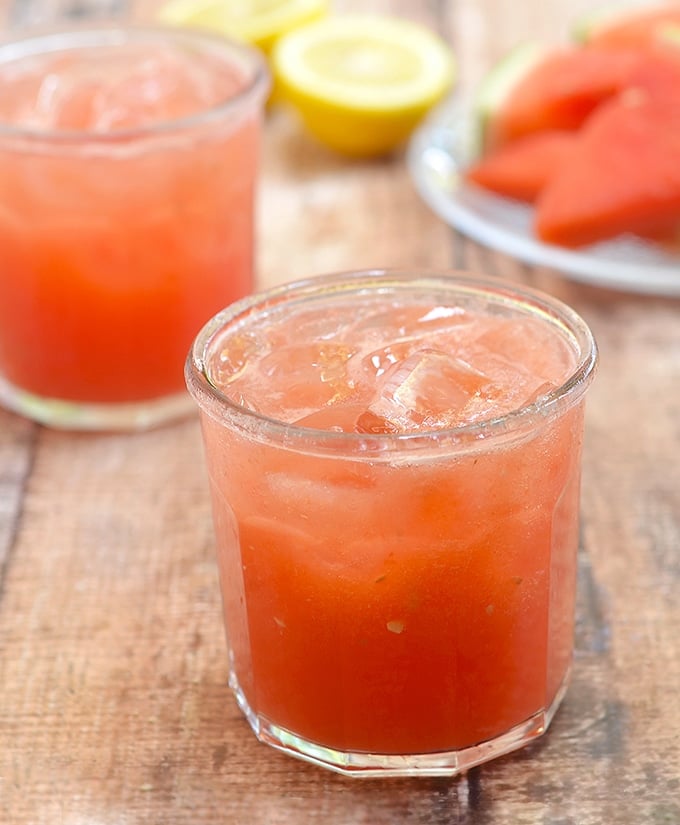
point(17, 449)
point(113, 703)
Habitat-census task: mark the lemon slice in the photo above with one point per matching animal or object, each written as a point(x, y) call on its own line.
point(362, 83)
point(259, 22)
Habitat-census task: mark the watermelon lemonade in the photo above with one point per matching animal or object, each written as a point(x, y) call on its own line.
point(394, 467)
point(128, 159)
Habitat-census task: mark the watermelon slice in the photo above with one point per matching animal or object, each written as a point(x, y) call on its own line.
point(658, 75)
point(498, 83)
point(560, 91)
point(622, 176)
point(521, 169)
point(629, 29)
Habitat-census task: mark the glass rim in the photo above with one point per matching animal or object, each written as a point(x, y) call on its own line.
point(44, 40)
point(212, 401)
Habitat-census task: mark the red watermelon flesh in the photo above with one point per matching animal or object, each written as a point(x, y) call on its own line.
point(561, 91)
point(520, 169)
point(640, 28)
point(658, 75)
point(623, 175)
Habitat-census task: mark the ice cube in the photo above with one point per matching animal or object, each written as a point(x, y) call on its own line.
point(532, 343)
point(338, 418)
point(500, 401)
point(313, 325)
point(291, 382)
point(56, 96)
point(321, 361)
point(234, 357)
point(160, 85)
point(378, 361)
point(117, 87)
point(393, 336)
point(511, 386)
point(427, 390)
point(410, 322)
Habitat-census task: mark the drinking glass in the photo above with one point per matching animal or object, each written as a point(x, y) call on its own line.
point(394, 464)
point(128, 165)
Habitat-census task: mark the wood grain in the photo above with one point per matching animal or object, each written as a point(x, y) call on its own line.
point(114, 708)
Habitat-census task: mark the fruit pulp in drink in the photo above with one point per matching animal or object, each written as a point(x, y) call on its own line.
point(408, 599)
point(126, 204)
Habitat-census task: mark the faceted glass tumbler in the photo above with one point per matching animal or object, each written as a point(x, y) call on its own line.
point(128, 164)
point(396, 604)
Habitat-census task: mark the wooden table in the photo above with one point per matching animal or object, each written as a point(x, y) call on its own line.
point(114, 708)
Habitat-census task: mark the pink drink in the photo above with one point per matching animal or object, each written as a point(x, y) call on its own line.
point(394, 464)
point(128, 159)
point(405, 368)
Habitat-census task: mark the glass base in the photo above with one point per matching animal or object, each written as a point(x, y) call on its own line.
point(81, 415)
point(441, 763)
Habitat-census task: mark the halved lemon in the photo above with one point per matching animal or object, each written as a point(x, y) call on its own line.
point(361, 83)
point(259, 22)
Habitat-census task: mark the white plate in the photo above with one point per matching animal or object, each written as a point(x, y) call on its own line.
point(441, 148)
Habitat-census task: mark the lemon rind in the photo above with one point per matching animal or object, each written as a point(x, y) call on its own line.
point(259, 28)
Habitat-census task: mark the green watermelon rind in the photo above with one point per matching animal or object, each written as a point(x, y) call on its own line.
point(587, 26)
point(583, 29)
point(497, 85)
